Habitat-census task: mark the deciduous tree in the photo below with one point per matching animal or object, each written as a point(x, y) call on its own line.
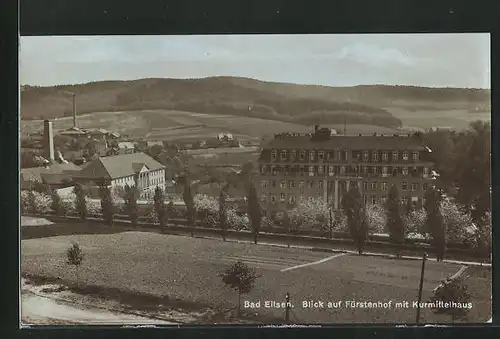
point(241, 278)
point(74, 257)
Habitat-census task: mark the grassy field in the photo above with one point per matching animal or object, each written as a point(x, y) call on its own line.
point(187, 269)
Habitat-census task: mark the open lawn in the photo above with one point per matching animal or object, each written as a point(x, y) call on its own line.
point(185, 268)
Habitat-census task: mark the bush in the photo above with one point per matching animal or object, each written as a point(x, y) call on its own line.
point(237, 222)
point(457, 222)
point(312, 213)
point(93, 207)
point(377, 219)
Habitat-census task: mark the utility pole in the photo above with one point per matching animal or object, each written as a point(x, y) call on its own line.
point(287, 308)
point(424, 258)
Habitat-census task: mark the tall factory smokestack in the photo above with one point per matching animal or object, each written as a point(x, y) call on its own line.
point(48, 140)
point(74, 110)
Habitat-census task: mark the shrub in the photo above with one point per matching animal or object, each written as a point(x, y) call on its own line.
point(93, 207)
point(377, 219)
point(24, 202)
point(452, 291)
point(237, 222)
point(457, 221)
point(312, 213)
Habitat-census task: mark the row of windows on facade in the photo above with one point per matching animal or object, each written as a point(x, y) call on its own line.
point(312, 155)
point(153, 181)
point(312, 170)
point(384, 186)
point(292, 199)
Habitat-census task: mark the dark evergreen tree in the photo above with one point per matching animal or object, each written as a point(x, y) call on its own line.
point(107, 205)
point(188, 198)
point(434, 222)
point(160, 207)
point(223, 214)
point(130, 200)
point(56, 204)
point(395, 221)
point(254, 211)
point(81, 201)
point(354, 209)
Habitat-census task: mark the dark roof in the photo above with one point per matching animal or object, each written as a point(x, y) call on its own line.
point(363, 142)
point(35, 173)
point(119, 166)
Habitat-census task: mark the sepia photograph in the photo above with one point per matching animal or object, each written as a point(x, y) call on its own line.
point(255, 179)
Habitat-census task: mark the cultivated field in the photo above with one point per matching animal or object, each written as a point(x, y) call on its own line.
point(423, 119)
point(173, 125)
point(185, 268)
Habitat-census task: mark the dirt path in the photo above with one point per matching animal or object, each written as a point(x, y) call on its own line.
point(42, 310)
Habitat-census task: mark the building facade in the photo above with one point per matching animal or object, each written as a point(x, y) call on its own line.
point(324, 165)
point(137, 169)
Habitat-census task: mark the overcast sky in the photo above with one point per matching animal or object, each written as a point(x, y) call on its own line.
point(441, 60)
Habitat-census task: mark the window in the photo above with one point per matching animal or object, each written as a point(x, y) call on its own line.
point(282, 184)
point(404, 200)
point(291, 183)
point(330, 155)
point(365, 198)
point(273, 184)
point(284, 155)
point(374, 185)
point(426, 172)
point(291, 199)
point(342, 169)
point(310, 184)
point(263, 184)
point(385, 156)
point(414, 186)
point(425, 186)
point(301, 184)
point(383, 200)
point(374, 156)
point(273, 198)
point(365, 156)
point(394, 155)
point(405, 155)
point(374, 169)
point(311, 170)
point(365, 186)
point(384, 171)
point(263, 197)
point(293, 155)
point(282, 196)
point(404, 186)
point(301, 171)
point(311, 155)
point(405, 170)
point(320, 184)
point(415, 156)
point(302, 155)
point(365, 170)
point(321, 155)
point(374, 199)
point(274, 155)
point(330, 170)
point(384, 186)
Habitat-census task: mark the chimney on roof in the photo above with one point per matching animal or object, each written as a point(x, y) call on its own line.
point(48, 141)
point(316, 127)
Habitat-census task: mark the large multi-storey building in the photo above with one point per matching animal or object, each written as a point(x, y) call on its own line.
point(324, 164)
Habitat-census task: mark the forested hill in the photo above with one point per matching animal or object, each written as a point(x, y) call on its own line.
point(304, 104)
